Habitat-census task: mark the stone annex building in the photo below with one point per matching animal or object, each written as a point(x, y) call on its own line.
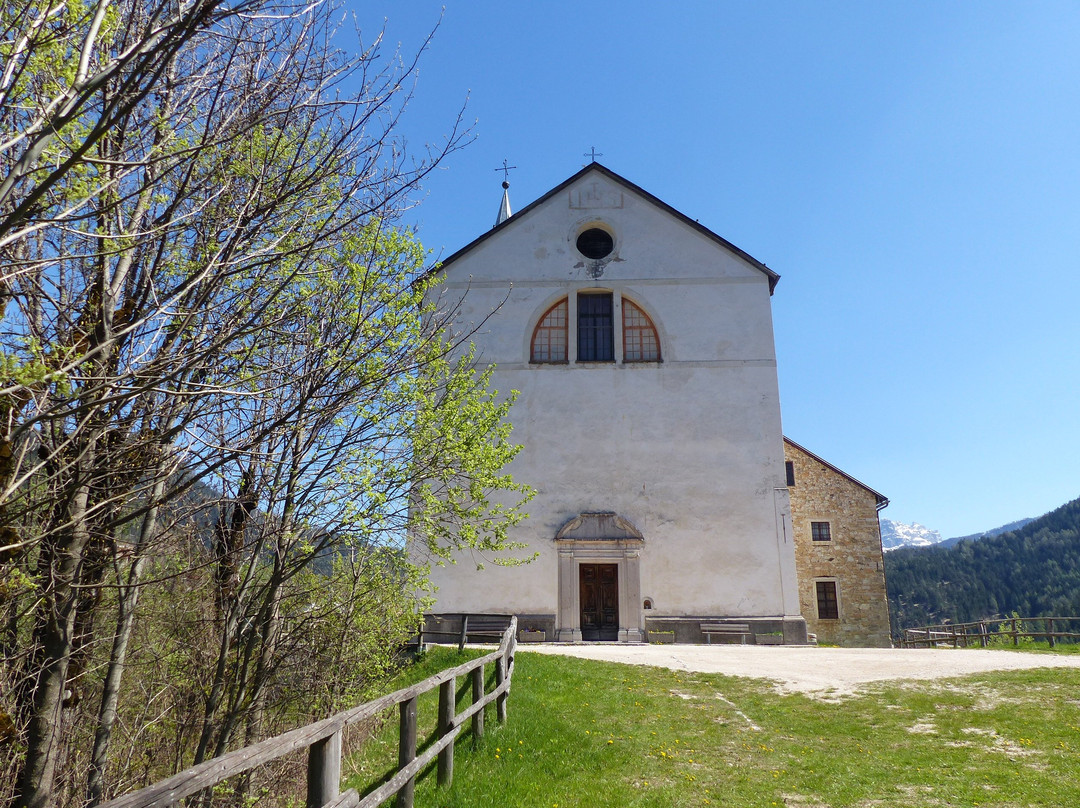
point(668, 502)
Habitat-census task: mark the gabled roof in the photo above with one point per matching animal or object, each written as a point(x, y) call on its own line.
point(607, 172)
point(882, 500)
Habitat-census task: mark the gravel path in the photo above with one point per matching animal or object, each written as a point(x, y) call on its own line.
point(813, 670)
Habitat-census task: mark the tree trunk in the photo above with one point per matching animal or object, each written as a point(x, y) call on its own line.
point(53, 643)
point(125, 619)
point(96, 557)
point(229, 546)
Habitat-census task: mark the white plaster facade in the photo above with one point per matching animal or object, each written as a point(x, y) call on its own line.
point(674, 469)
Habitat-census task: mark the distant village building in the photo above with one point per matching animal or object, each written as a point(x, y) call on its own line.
point(642, 346)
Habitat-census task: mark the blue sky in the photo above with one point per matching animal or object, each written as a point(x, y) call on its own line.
point(912, 171)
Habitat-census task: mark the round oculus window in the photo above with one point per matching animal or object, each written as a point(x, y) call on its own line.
point(595, 243)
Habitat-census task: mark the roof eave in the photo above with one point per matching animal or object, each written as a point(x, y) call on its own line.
point(882, 500)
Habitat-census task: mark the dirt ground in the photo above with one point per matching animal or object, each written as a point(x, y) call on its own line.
point(813, 670)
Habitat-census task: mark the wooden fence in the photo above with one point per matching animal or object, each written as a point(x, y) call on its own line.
point(323, 742)
point(984, 632)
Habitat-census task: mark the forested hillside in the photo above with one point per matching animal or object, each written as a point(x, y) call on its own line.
point(997, 531)
point(1034, 571)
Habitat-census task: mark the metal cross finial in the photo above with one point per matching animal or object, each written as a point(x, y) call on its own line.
point(592, 153)
point(505, 169)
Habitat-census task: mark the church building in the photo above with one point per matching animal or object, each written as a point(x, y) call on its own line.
point(669, 505)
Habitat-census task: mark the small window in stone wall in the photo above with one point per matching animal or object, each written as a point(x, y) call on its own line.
point(789, 468)
point(828, 607)
point(819, 531)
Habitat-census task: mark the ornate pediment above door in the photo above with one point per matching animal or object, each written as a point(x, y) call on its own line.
point(594, 526)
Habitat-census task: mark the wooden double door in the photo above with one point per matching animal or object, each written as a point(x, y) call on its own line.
point(599, 591)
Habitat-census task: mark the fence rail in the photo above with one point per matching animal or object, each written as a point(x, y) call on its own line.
point(322, 739)
point(983, 632)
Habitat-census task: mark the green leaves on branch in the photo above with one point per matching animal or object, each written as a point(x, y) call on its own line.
point(463, 498)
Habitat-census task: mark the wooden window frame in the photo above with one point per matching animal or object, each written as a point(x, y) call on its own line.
point(550, 343)
point(547, 331)
point(819, 528)
point(641, 333)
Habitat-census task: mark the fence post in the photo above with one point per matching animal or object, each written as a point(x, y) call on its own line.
point(324, 771)
point(464, 631)
point(1050, 632)
point(407, 749)
point(446, 726)
point(955, 641)
point(477, 695)
point(500, 677)
point(982, 633)
point(1015, 633)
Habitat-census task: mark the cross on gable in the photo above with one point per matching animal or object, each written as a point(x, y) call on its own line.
point(505, 169)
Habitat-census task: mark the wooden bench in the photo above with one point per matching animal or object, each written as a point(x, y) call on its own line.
point(741, 630)
point(488, 627)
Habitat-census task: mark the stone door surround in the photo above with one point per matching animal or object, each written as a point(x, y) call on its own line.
point(599, 537)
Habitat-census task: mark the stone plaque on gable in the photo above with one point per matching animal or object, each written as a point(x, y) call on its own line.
point(595, 197)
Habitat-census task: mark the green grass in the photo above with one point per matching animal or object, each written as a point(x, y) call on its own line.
point(1025, 644)
point(601, 734)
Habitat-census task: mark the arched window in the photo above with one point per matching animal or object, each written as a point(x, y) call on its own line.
point(640, 343)
point(549, 339)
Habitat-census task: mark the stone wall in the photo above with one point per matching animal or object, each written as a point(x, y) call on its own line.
point(851, 558)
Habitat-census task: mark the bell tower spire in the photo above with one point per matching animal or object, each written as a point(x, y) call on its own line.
point(504, 206)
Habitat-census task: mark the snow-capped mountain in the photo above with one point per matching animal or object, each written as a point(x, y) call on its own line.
point(897, 534)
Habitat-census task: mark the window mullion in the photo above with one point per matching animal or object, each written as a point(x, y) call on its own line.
point(617, 326)
point(572, 329)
